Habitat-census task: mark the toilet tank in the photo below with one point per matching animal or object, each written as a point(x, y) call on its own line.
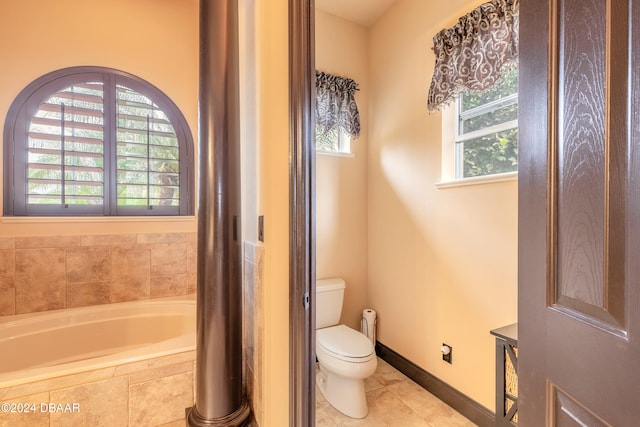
point(329, 297)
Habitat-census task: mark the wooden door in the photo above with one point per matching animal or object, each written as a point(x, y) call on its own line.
point(579, 221)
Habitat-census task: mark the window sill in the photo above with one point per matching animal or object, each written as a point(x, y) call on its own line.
point(89, 219)
point(489, 179)
point(334, 154)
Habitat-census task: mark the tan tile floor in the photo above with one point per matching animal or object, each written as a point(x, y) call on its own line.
point(394, 401)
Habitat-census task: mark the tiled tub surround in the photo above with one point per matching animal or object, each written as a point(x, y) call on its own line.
point(144, 384)
point(253, 315)
point(48, 273)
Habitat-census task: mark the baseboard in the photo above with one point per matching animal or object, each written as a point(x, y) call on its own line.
point(462, 403)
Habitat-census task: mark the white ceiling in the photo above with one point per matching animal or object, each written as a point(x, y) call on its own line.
point(363, 12)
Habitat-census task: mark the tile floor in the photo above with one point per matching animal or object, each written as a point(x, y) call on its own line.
point(394, 401)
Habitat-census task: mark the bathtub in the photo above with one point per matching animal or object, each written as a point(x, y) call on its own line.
point(40, 346)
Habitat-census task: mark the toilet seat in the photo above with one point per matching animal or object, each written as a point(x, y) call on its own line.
point(345, 344)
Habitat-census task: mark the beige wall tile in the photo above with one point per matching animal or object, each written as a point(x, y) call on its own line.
point(55, 383)
point(258, 326)
point(192, 283)
point(192, 256)
point(162, 238)
point(85, 294)
point(168, 258)
point(123, 263)
point(249, 385)
point(252, 317)
point(102, 403)
point(7, 301)
point(258, 255)
point(40, 280)
point(160, 372)
point(160, 401)
point(7, 243)
point(88, 264)
point(32, 418)
point(130, 278)
point(249, 251)
point(47, 242)
point(248, 313)
point(172, 359)
point(109, 240)
point(178, 423)
point(195, 379)
point(7, 268)
point(169, 285)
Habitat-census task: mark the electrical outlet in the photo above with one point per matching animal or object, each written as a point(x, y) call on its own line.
point(447, 353)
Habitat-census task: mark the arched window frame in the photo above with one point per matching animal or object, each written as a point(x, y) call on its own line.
point(27, 104)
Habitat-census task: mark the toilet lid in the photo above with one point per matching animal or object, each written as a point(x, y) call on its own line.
point(344, 341)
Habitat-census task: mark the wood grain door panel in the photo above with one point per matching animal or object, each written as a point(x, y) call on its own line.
point(589, 146)
point(579, 213)
point(567, 412)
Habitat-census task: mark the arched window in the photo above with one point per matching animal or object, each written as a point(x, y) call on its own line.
point(96, 141)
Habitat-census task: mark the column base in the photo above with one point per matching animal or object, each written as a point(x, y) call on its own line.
point(239, 418)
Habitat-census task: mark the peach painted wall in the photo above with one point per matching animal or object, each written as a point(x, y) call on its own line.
point(341, 182)
point(265, 153)
point(442, 262)
point(156, 40)
point(272, 101)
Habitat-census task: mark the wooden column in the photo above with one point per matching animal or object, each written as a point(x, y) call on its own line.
point(219, 390)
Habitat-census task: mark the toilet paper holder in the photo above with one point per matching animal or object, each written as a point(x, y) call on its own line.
point(368, 324)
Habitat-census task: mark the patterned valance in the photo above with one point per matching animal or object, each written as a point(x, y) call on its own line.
point(472, 55)
point(336, 109)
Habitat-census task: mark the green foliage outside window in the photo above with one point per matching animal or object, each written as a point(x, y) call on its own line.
point(327, 141)
point(494, 152)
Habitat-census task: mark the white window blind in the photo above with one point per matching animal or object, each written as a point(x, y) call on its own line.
point(147, 153)
point(96, 141)
point(65, 160)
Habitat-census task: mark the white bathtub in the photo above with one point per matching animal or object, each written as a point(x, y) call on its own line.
point(40, 346)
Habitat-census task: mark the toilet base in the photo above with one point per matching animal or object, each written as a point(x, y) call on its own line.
point(347, 395)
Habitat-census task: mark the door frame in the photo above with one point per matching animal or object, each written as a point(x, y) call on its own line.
point(302, 254)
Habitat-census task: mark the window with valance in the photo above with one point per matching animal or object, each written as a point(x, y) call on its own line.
point(337, 116)
point(476, 69)
point(472, 55)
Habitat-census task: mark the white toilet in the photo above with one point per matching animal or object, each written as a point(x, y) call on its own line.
point(346, 356)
